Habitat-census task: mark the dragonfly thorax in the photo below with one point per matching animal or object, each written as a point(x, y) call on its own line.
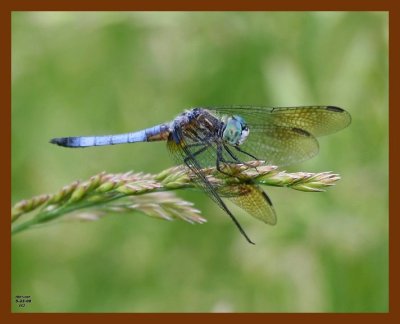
point(235, 131)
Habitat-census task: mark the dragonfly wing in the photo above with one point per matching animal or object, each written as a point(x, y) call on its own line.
point(196, 156)
point(252, 199)
point(280, 145)
point(316, 120)
point(286, 135)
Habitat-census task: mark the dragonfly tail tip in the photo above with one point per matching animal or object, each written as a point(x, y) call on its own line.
point(61, 141)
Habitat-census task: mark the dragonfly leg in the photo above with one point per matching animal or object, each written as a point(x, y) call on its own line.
point(237, 160)
point(244, 152)
point(192, 155)
point(220, 159)
point(232, 155)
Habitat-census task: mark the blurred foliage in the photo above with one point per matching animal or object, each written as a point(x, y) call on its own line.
point(100, 73)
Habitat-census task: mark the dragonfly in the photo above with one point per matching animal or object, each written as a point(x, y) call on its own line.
point(205, 137)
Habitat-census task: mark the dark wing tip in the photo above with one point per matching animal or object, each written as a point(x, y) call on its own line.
point(266, 197)
point(335, 108)
point(301, 132)
point(346, 115)
point(269, 201)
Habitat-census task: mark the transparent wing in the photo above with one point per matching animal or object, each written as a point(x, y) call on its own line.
point(316, 120)
point(196, 156)
point(252, 199)
point(279, 145)
point(286, 135)
point(189, 155)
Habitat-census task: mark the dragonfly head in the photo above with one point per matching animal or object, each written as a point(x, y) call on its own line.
point(235, 131)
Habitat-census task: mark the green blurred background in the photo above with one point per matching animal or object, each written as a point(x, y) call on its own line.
point(101, 73)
